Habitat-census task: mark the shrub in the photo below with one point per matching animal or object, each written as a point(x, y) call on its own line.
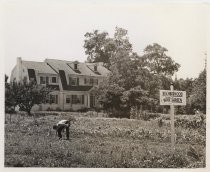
point(58, 109)
point(84, 109)
point(69, 110)
point(146, 116)
point(196, 122)
point(49, 109)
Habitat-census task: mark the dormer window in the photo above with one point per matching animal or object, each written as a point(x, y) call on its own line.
point(95, 68)
point(75, 66)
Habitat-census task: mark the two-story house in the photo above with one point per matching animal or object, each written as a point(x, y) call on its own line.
point(71, 81)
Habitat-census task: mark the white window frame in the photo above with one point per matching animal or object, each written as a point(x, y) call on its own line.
point(75, 81)
point(56, 80)
point(68, 97)
point(56, 99)
point(44, 79)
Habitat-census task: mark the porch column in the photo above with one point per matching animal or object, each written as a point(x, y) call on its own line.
point(88, 100)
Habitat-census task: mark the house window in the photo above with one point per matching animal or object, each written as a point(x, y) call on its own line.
point(47, 80)
point(95, 68)
point(54, 80)
point(54, 99)
point(68, 99)
point(42, 80)
point(86, 81)
point(91, 81)
point(72, 81)
point(92, 100)
point(95, 81)
point(75, 66)
point(77, 99)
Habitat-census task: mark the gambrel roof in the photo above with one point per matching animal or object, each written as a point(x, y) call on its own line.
point(40, 67)
point(83, 68)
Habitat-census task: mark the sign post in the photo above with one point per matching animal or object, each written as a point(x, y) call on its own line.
point(172, 122)
point(172, 97)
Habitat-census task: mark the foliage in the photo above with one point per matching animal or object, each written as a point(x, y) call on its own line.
point(25, 95)
point(101, 48)
point(134, 81)
point(158, 62)
point(11, 90)
point(194, 123)
point(104, 142)
point(98, 46)
point(195, 93)
point(130, 82)
point(29, 94)
point(197, 99)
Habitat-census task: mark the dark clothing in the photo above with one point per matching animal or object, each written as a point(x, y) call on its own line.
point(60, 129)
point(64, 124)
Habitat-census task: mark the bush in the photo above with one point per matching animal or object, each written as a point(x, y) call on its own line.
point(69, 110)
point(58, 109)
point(49, 109)
point(85, 109)
point(146, 116)
point(119, 114)
point(196, 122)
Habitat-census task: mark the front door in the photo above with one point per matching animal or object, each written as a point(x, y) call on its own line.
point(92, 101)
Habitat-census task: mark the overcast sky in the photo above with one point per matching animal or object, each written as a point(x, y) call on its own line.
point(41, 29)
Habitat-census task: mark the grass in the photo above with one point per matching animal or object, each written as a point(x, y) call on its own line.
point(100, 142)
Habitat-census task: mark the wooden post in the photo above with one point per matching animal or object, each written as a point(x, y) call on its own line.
point(172, 122)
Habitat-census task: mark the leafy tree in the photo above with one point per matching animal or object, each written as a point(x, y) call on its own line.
point(197, 99)
point(157, 60)
point(134, 82)
point(10, 96)
point(29, 94)
point(184, 85)
point(100, 47)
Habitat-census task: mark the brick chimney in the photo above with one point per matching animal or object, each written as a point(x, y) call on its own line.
point(19, 69)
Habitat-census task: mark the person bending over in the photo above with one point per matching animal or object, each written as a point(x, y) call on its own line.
point(60, 126)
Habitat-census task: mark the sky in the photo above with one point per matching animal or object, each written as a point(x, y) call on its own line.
point(35, 30)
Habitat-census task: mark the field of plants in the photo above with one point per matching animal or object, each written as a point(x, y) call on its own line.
point(105, 142)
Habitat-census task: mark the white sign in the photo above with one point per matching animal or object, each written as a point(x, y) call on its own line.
point(168, 97)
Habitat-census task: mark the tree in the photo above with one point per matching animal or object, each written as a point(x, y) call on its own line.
point(29, 94)
point(98, 47)
point(101, 48)
point(10, 96)
point(158, 62)
point(184, 85)
point(197, 99)
point(134, 82)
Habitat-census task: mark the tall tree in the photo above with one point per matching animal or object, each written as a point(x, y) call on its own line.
point(98, 46)
point(134, 81)
point(197, 98)
point(101, 48)
point(10, 96)
point(158, 62)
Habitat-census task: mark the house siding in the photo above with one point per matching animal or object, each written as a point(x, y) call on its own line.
point(63, 88)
